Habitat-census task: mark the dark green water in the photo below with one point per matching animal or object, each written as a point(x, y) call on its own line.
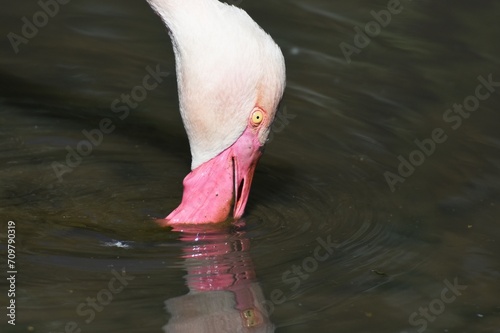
point(397, 250)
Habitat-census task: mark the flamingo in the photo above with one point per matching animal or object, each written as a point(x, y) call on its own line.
point(230, 78)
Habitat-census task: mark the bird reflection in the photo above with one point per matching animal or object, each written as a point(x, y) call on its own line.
point(224, 295)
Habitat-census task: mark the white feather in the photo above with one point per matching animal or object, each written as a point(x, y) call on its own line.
point(226, 65)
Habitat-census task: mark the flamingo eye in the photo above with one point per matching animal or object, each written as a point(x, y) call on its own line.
point(257, 117)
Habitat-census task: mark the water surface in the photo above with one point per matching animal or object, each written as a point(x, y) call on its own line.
point(393, 250)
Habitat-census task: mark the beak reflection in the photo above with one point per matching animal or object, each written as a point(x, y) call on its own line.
point(224, 295)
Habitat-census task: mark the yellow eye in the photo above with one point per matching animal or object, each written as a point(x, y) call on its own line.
point(257, 117)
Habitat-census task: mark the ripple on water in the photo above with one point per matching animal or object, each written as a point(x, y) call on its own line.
point(347, 208)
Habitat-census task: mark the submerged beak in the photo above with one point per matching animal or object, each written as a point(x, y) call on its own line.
point(219, 188)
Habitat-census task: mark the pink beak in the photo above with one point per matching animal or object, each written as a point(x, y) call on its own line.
point(219, 187)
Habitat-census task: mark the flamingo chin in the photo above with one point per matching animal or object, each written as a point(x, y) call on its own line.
point(218, 189)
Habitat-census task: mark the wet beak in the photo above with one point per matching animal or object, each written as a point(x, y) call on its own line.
point(218, 189)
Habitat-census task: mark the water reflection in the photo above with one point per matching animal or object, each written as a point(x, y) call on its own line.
point(224, 295)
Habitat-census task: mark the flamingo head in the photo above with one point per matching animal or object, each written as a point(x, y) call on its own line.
point(231, 77)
